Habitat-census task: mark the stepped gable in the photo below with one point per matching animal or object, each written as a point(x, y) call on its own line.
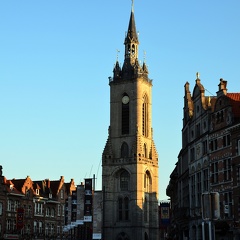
point(10, 187)
point(23, 184)
point(69, 187)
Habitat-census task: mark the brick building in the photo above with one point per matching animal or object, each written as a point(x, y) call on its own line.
point(33, 209)
point(208, 162)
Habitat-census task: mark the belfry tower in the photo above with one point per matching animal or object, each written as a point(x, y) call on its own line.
point(130, 159)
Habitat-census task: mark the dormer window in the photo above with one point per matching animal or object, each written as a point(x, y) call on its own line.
point(37, 191)
point(50, 195)
point(11, 187)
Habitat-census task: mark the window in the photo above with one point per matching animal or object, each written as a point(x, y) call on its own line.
point(10, 205)
point(63, 208)
point(226, 140)
point(47, 212)
point(192, 154)
point(123, 209)
point(214, 145)
point(214, 168)
point(52, 212)
point(145, 150)
point(145, 117)
point(199, 189)
point(37, 191)
point(125, 117)
point(38, 208)
point(228, 204)
point(16, 205)
point(193, 197)
point(9, 224)
point(124, 181)
point(238, 144)
point(205, 147)
point(227, 169)
point(198, 130)
point(147, 182)
point(59, 210)
point(35, 226)
point(40, 227)
point(124, 150)
point(205, 180)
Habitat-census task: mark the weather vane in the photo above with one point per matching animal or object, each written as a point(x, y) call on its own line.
point(117, 54)
point(144, 56)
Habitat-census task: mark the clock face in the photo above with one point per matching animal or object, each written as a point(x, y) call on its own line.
point(125, 99)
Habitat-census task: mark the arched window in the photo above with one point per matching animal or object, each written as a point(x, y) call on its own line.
point(147, 182)
point(145, 116)
point(123, 209)
point(124, 150)
point(124, 180)
point(145, 150)
point(125, 114)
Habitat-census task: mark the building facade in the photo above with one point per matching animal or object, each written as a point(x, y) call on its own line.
point(130, 159)
point(33, 209)
point(207, 163)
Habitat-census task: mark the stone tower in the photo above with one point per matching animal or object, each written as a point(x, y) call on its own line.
point(130, 159)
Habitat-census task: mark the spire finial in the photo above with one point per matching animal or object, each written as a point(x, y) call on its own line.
point(198, 75)
point(132, 5)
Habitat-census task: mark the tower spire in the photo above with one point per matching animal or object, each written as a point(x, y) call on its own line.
point(131, 40)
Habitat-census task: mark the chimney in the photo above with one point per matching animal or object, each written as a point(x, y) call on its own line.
point(222, 88)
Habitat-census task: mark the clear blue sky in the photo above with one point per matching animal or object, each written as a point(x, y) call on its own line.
point(55, 60)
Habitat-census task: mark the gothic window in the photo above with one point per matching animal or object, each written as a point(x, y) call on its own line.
point(133, 49)
point(124, 150)
point(145, 117)
point(145, 150)
point(124, 181)
point(123, 209)
point(125, 117)
point(147, 182)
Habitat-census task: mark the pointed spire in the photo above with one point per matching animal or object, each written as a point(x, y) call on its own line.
point(131, 42)
point(132, 35)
